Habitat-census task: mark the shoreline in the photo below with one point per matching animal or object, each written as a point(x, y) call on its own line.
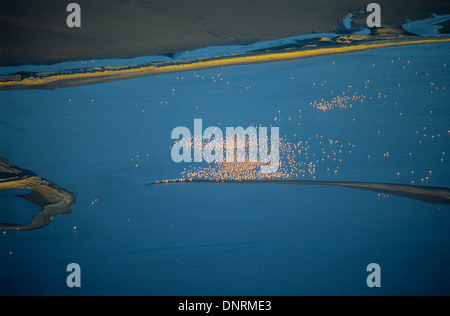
point(53, 199)
point(87, 76)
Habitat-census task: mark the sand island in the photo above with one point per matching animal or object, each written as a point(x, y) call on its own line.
point(431, 195)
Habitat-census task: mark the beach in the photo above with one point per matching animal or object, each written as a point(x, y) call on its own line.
point(102, 75)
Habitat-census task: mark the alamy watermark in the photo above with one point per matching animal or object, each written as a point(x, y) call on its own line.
point(74, 18)
point(211, 145)
point(74, 278)
point(374, 278)
point(374, 19)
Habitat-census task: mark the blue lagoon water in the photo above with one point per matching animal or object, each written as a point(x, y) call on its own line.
point(105, 142)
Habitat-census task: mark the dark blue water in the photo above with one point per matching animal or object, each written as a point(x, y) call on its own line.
point(237, 240)
point(14, 209)
point(216, 239)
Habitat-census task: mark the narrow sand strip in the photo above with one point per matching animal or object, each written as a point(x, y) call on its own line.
point(107, 74)
point(431, 195)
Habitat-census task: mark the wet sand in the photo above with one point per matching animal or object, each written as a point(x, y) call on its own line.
point(35, 31)
point(53, 199)
point(431, 195)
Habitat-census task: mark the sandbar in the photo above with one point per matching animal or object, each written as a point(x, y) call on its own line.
point(53, 199)
point(427, 194)
point(88, 76)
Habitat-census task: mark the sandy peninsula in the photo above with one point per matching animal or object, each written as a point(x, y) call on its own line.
point(81, 77)
point(53, 199)
point(431, 195)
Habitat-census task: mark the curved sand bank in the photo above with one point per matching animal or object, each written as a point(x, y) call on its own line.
point(72, 78)
point(53, 199)
point(431, 195)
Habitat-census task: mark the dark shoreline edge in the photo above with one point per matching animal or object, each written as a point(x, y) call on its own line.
point(430, 195)
point(53, 199)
